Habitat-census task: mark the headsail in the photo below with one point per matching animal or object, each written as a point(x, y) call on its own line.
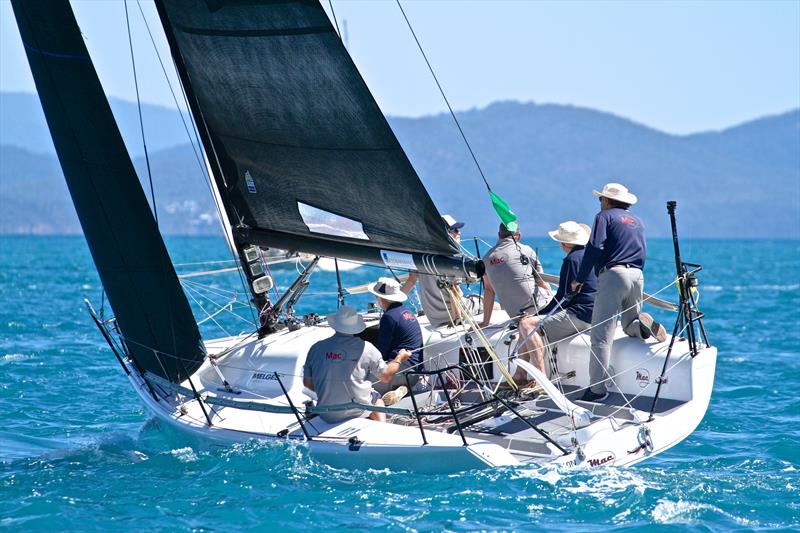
point(150, 307)
point(306, 159)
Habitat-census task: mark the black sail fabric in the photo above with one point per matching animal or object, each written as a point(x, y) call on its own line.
point(302, 145)
point(150, 307)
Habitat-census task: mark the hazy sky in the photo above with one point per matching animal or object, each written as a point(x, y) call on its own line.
point(677, 66)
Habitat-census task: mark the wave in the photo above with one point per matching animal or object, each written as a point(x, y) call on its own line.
point(746, 288)
point(13, 357)
point(184, 455)
point(688, 512)
point(20, 447)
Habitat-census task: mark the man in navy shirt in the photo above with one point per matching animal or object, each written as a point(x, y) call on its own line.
point(574, 316)
point(399, 332)
point(616, 253)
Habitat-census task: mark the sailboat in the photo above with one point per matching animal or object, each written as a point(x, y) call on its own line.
point(301, 158)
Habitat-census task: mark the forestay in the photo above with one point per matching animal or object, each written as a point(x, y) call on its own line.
point(304, 155)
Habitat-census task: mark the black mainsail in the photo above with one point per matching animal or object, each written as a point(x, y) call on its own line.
point(302, 155)
point(151, 309)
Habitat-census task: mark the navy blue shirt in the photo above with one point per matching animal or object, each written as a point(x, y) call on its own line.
point(617, 238)
point(582, 303)
point(399, 329)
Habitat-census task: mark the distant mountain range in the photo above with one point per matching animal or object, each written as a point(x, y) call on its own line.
point(742, 182)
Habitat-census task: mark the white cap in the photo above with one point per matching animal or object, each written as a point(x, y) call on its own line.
point(452, 223)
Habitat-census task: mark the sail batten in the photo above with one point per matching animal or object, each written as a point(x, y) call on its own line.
point(290, 121)
point(255, 33)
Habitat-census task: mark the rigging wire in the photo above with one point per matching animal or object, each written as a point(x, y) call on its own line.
point(444, 96)
point(196, 146)
point(209, 316)
point(171, 90)
point(141, 119)
point(335, 22)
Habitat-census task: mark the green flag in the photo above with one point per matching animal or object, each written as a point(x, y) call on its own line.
point(507, 216)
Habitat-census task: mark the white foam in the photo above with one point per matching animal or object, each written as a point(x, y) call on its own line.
point(668, 512)
point(749, 288)
point(140, 456)
point(687, 512)
point(739, 359)
point(184, 455)
point(777, 288)
point(11, 357)
point(607, 483)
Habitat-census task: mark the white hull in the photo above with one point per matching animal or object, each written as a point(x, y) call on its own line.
point(614, 437)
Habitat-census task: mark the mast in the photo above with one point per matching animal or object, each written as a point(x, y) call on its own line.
point(153, 315)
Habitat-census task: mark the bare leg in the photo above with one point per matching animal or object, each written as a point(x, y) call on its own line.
point(375, 415)
point(537, 356)
point(531, 349)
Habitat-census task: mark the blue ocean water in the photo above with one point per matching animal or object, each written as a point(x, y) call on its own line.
point(78, 452)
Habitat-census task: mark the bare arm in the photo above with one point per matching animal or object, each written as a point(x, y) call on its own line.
point(408, 286)
point(539, 281)
point(394, 365)
point(308, 384)
point(488, 301)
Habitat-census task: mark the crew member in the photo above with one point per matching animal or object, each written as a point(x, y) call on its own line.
point(434, 292)
point(512, 274)
point(616, 253)
point(573, 316)
point(399, 330)
point(341, 368)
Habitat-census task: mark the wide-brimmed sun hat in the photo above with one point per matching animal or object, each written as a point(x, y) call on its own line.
point(617, 192)
point(570, 232)
point(388, 289)
point(347, 320)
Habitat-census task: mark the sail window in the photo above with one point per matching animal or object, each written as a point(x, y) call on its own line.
point(326, 223)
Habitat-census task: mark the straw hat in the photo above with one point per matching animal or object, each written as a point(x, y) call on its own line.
point(388, 289)
point(617, 192)
point(570, 232)
point(347, 320)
